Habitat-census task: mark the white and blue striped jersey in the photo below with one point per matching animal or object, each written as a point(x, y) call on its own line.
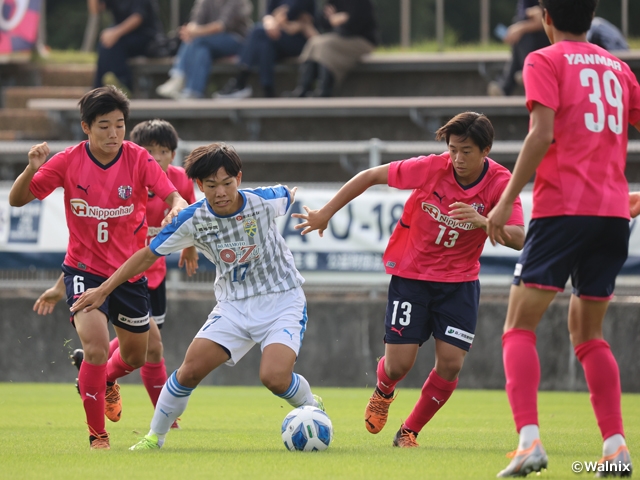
point(250, 255)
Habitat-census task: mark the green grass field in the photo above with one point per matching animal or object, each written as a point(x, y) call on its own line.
point(234, 432)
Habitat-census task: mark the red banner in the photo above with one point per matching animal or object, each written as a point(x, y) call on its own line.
point(18, 24)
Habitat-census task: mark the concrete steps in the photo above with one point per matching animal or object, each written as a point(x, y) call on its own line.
point(26, 123)
point(17, 97)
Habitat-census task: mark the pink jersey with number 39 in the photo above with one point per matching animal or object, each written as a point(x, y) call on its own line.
point(594, 96)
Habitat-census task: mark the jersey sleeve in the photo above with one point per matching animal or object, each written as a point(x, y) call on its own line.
point(49, 177)
point(176, 236)
point(279, 196)
point(411, 173)
point(538, 75)
point(634, 99)
point(155, 179)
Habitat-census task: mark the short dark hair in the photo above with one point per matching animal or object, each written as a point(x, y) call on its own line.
point(206, 161)
point(101, 101)
point(475, 126)
point(573, 16)
point(155, 132)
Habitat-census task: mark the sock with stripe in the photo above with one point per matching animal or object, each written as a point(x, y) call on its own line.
point(522, 370)
point(171, 404)
point(117, 367)
point(154, 376)
point(298, 393)
point(92, 381)
point(385, 384)
point(435, 393)
point(603, 379)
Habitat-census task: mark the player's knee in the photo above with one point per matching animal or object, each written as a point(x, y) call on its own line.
point(154, 352)
point(276, 383)
point(397, 370)
point(449, 368)
point(96, 355)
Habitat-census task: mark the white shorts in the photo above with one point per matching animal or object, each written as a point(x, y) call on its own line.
point(238, 325)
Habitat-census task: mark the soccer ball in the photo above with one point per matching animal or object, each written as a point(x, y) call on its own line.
point(307, 429)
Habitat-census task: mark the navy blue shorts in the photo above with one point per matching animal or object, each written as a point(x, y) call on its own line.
point(417, 309)
point(158, 303)
point(589, 250)
point(126, 307)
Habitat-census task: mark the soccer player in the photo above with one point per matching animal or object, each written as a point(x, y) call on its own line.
point(257, 287)
point(105, 181)
point(432, 256)
point(580, 99)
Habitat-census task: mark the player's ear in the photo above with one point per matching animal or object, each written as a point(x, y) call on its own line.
point(199, 183)
point(85, 128)
point(239, 177)
point(173, 155)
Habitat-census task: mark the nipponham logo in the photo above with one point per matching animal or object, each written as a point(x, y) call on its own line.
point(446, 219)
point(81, 208)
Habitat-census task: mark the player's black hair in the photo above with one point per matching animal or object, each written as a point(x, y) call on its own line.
point(101, 101)
point(155, 132)
point(471, 125)
point(206, 161)
point(573, 16)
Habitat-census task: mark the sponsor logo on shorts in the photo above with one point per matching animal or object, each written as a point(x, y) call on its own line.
point(124, 191)
point(518, 270)
point(81, 208)
point(459, 334)
point(134, 322)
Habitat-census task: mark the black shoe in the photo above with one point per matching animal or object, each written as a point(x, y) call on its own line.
point(327, 81)
point(307, 74)
point(233, 89)
point(77, 357)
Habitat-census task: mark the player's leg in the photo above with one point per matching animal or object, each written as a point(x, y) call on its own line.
point(594, 283)
point(154, 372)
point(202, 357)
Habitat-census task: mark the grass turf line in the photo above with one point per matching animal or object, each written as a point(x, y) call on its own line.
point(234, 432)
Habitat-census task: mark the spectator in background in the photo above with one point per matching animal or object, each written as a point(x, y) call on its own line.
point(352, 33)
point(525, 35)
point(217, 29)
point(136, 24)
point(606, 35)
point(282, 33)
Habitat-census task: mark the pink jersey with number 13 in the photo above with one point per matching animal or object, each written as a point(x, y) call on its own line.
point(594, 96)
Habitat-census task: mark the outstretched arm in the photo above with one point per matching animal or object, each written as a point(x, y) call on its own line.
point(94, 297)
point(319, 219)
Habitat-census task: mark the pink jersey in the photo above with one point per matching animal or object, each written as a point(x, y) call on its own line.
point(157, 209)
point(594, 96)
point(105, 205)
point(429, 245)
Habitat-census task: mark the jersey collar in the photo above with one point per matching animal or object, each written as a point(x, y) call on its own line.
point(95, 160)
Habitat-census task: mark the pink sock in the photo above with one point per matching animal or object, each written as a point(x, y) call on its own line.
point(385, 384)
point(603, 379)
point(435, 393)
point(113, 345)
point(522, 369)
point(116, 367)
point(92, 380)
point(154, 376)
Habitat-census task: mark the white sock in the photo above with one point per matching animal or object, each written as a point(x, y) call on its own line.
point(612, 444)
point(528, 434)
point(171, 404)
point(299, 392)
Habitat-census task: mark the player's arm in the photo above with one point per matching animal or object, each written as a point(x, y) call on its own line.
point(535, 147)
point(466, 213)
point(20, 194)
point(47, 301)
point(177, 204)
point(94, 297)
point(319, 219)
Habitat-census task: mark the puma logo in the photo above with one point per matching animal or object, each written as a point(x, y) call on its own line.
point(288, 333)
point(436, 400)
point(371, 426)
point(85, 190)
point(384, 384)
point(399, 332)
point(440, 198)
point(87, 394)
point(165, 413)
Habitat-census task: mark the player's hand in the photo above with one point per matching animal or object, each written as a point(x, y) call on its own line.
point(109, 37)
point(181, 205)
point(496, 220)
point(313, 220)
point(38, 155)
point(464, 213)
point(45, 303)
point(292, 193)
point(634, 204)
point(89, 300)
point(189, 260)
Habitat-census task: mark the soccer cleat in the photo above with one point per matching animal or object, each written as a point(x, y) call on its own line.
point(99, 442)
point(405, 438)
point(148, 442)
point(532, 459)
point(175, 425)
point(319, 401)
point(616, 465)
point(77, 357)
point(377, 411)
point(113, 402)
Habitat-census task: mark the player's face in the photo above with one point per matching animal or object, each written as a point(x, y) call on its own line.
point(106, 135)
point(161, 154)
point(467, 158)
point(221, 191)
